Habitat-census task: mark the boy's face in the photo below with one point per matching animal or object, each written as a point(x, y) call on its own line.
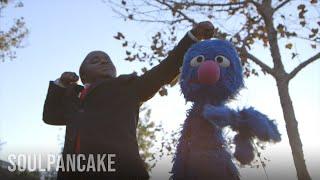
point(97, 65)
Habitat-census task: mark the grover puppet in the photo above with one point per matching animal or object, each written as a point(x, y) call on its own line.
point(211, 76)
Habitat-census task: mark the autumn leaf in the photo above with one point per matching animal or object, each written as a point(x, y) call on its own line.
point(254, 72)
point(119, 36)
point(289, 45)
point(293, 55)
point(302, 9)
point(280, 29)
point(163, 92)
point(265, 41)
point(131, 58)
point(303, 23)
point(125, 44)
point(313, 1)
point(314, 33)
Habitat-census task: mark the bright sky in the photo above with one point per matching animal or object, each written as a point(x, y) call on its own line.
point(63, 32)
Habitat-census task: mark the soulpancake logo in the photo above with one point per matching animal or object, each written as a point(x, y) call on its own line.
point(65, 163)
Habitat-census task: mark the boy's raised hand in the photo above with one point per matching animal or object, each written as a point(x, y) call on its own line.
point(203, 30)
point(69, 78)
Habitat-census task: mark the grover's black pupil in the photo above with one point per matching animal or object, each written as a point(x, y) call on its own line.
point(219, 59)
point(199, 59)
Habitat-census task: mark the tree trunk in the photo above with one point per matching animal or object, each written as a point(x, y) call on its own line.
point(292, 130)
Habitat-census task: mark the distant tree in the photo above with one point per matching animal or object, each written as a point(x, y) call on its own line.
point(151, 139)
point(17, 175)
point(11, 37)
point(146, 138)
point(275, 25)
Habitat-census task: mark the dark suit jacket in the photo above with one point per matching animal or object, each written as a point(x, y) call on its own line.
point(107, 117)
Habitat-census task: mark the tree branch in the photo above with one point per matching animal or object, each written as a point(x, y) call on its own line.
point(266, 11)
point(178, 11)
point(193, 3)
point(281, 5)
point(263, 66)
point(304, 64)
point(159, 21)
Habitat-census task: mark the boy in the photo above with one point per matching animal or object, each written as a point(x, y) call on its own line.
point(103, 119)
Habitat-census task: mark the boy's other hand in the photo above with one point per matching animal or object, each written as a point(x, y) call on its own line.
point(203, 30)
point(69, 78)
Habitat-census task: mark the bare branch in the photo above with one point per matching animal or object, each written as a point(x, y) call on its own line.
point(159, 21)
point(263, 66)
point(150, 20)
point(164, 21)
point(308, 39)
point(193, 3)
point(302, 65)
point(281, 5)
point(178, 11)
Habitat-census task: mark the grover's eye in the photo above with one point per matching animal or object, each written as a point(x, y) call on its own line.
point(196, 61)
point(223, 61)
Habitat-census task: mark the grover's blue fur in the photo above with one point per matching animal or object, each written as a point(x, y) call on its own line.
point(201, 151)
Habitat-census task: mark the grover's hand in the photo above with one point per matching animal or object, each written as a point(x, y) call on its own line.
point(203, 30)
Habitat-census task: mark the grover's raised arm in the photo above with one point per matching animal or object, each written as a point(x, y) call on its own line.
point(151, 81)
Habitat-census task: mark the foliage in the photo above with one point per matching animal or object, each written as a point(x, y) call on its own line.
point(11, 39)
point(145, 138)
point(153, 141)
point(246, 23)
point(25, 175)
